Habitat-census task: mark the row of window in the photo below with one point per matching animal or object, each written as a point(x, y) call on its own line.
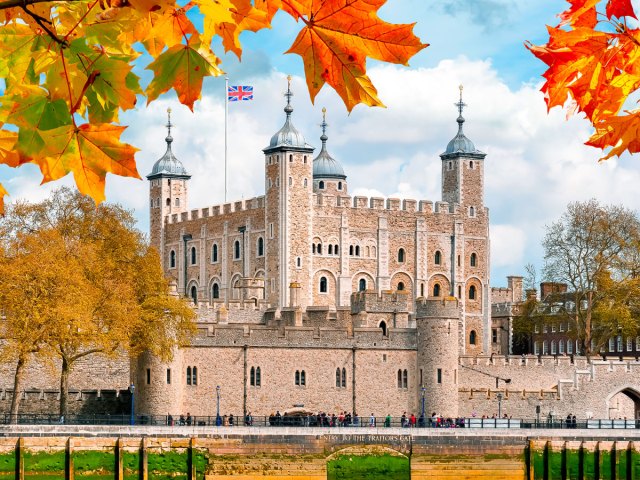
point(237, 253)
point(556, 347)
point(191, 377)
point(274, 159)
point(321, 185)
point(553, 327)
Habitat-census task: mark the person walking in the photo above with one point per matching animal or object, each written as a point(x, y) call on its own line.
point(387, 420)
point(372, 420)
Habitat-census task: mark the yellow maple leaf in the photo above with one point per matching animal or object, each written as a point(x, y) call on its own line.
point(8, 154)
point(3, 193)
point(339, 36)
point(246, 17)
point(89, 152)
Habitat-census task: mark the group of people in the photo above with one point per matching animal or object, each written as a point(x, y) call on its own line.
point(571, 421)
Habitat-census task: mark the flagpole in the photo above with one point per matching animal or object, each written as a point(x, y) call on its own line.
point(226, 114)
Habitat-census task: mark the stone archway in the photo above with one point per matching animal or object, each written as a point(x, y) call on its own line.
point(624, 402)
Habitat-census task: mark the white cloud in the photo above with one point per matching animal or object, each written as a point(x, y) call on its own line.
point(536, 162)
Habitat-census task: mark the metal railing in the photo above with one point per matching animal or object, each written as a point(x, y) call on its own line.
point(314, 421)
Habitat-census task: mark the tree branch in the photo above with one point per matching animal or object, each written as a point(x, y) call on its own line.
point(23, 3)
point(39, 20)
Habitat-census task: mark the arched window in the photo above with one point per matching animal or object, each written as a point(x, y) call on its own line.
point(405, 379)
point(323, 284)
point(290, 158)
point(472, 212)
point(313, 248)
point(401, 255)
point(258, 377)
point(383, 327)
point(319, 249)
point(303, 378)
point(260, 246)
point(362, 285)
point(553, 347)
point(570, 347)
point(472, 337)
point(305, 159)
point(321, 185)
point(459, 291)
point(297, 377)
point(177, 202)
point(172, 259)
point(335, 249)
point(399, 378)
point(545, 348)
point(290, 181)
point(305, 181)
point(400, 286)
point(193, 256)
point(338, 382)
point(474, 260)
point(339, 185)
point(471, 164)
point(436, 290)
point(215, 291)
point(168, 202)
point(298, 262)
point(188, 375)
point(252, 377)
point(561, 347)
point(367, 252)
point(330, 249)
point(214, 253)
point(437, 257)
point(236, 250)
point(472, 292)
point(344, 378)
point(458, 260)
point(422, 289)
point(357, 250)
point(351, 250)
point(194, 294)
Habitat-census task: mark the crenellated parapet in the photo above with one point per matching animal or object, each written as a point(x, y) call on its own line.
point(255, 203)
point(438, 308)
point(387, 301)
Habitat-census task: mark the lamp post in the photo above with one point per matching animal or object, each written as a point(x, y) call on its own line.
point(132, 389)
point(499, 397)
point(218, 418)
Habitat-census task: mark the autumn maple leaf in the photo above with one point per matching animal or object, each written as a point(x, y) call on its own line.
point(182, 67)
point(89, 152)
point(339, 36)
point(596, 69)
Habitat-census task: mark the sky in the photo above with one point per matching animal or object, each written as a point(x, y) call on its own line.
point(536, 161)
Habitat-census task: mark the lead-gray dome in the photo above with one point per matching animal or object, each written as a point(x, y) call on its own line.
point(324, 165)
point(168, 165)
point(288, 135)
point(460, 144)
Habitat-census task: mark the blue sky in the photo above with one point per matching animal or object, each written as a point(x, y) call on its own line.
point(536, 162)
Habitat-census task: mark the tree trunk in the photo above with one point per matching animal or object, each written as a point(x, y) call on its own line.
point(587, 328)
point(64, 388)
point(17, 389)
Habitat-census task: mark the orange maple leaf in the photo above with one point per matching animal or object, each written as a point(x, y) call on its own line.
point(89, 152)
point(8, 154)
point(246, 17)
point(3, 193)
point(339, 36)
point(620, 132)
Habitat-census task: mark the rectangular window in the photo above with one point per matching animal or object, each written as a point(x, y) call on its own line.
point(629, 344)
point(612, 344)
point(168, 376)
point(271, 230)
point(148, 376)
point(421, 380)
point(545, 328)
point(562, 326)
point(536, 328)
point(619, 343)
point(536, 348)
point(494, 335)
point(439, 378)
point(384, 357)
point(553, 328)
point(545, 348)
point(569, 347)
point(561, 347)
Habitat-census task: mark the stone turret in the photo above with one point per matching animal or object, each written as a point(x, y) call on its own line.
point(438, 325)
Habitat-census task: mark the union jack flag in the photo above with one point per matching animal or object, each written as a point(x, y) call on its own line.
point(239, 92)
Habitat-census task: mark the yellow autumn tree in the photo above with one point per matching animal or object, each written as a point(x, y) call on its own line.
point(119, 300)
point(67, 68)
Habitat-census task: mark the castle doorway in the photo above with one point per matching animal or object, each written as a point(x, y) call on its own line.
point(624, 403)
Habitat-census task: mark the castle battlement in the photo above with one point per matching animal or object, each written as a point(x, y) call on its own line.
point(446, 307)
point(382, 204)
point(217, 210)
point(387, 301)
point(299, 337)
point(559, 361)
